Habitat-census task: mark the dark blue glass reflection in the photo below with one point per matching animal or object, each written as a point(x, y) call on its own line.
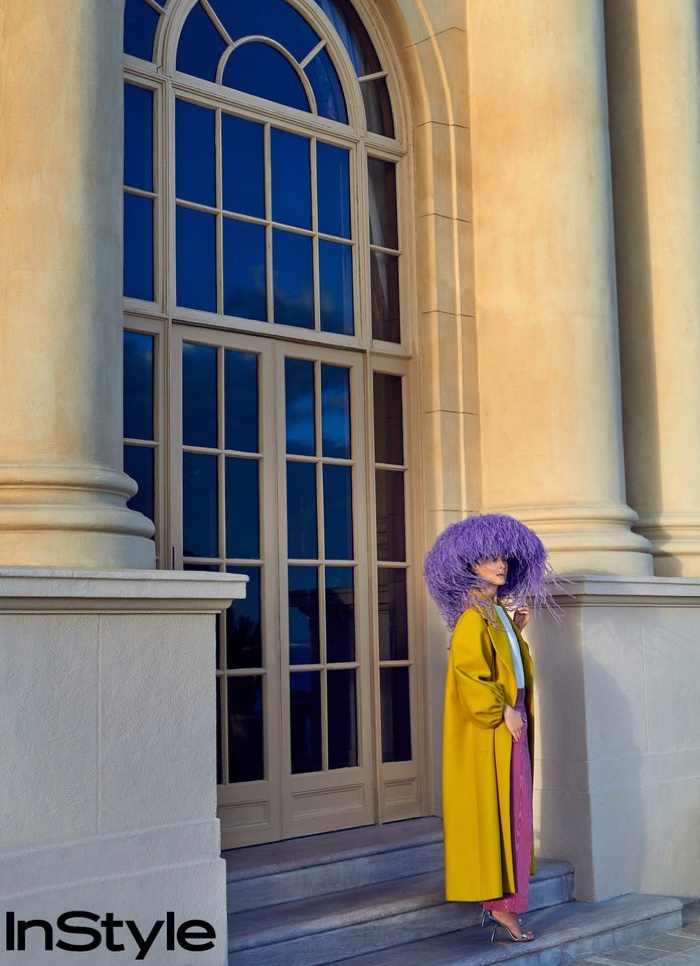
point(333, 180)
point(268, 18)
point(138, 137)
point(391, 516)
point(386, 316)
point(342, 719)
point(244, 623)
point(335, 411)
point(199, 407)
point(337, 511)
point(246, 750)
point(325, 83)
point(201, 45)
point(241, 401)
point(196, 259)
point(396, 718)
point(302, 527)
point(140, 23)
point(378, 113)
point(259, 69)
point(340, 615)
point(393, 614)
point(242, 508)
point(336, 289)
point(243, 167)
point(138, 385)
point(383, 226)
point(351, 31)
point(305, 721)
point(195, 163)
point(300, 395)
point(388, 419)
point(245, 270)
point(200, 506)
point(304, 636)
point(291, 179)
point(139, 464)
point(292, 260)
point(138, 247)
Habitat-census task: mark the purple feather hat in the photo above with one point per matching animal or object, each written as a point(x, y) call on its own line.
point(455, 588)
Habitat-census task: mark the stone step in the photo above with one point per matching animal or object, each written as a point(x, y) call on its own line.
point(565, 933)
point(360, 919)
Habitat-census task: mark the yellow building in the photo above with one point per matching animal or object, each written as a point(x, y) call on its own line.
point(371, 265)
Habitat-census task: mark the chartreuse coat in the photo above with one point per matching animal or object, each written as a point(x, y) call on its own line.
point(477, 750)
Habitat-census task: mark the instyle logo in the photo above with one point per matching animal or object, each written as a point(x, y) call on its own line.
point(117, 935)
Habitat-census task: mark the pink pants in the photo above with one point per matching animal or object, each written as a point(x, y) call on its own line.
point(520, 820)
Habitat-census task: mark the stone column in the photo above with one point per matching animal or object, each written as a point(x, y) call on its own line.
point(546, 309)
point(654, 66)
point(62, 492)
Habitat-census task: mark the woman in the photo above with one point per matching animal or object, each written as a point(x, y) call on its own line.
point(475, 568)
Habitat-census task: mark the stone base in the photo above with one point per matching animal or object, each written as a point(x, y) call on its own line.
point(107, 772)
point(617, 771)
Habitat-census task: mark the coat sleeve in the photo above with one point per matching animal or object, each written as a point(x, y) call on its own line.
point(481, 698)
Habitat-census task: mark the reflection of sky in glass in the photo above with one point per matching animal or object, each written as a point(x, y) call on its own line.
point(196, 259)
point(302, 527)
point(335, 411)
point(244, 270)
point(200, 46)
point(200, 506)
point(242, 508)
point(267, 18)
point(241, 400)
point(259, 69)
point(304, 638)
point(139, 465)
point(140, 23)
point(293, 279)
point(325, 83)
point(243, 167)
point(138, 385)
point(333, 181)
point(138, 247)
point(195, 165)
point(199, 404)
point(299, 394)
point(337, 511)
point(352, 32)
point(335, 274)
point(138, 137)
point(291, 178)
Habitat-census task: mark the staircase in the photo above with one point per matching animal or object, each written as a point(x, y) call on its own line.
point(374, 897)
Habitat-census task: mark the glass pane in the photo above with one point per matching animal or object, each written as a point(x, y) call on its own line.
point(383, 226)
point(201, 45)
point(140, 23)
point(335, 411)
point(375, 95)
point(305, 721)
point(138, 385)
point(243, 168)
point(330, 101)
point(342, 719)
point(241, 400)
point(199, 385)
point(195, 163)
point(388, 419)
point(337, 511)
point(386, 321)
point(291, 179)
point(138, 137)
point(138, 247)
point(300, 395)
point(304, 637)
point(393, 615)
point(396, 716)
point(196, 259)
point(219, 750)
point(335, 272)
point(259, 69)
point(391, 518)
point(268, 18)
point(340, 614)
point(352, 32)
point(139, 465)
point(245, 270)
point(244, 623)
point(302, 529)
point(200, 505)
point(333, 180)
point(246, 751)
point(293, 279)
point(242, 508)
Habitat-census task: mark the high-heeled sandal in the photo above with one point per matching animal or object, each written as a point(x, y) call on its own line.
point(486, 917)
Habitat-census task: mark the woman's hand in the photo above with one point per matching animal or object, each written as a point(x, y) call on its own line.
point(521, 618)
point(513, 721)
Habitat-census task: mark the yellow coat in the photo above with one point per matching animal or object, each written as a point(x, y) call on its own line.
point(477, 749)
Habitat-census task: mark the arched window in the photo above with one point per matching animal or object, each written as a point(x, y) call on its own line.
point(265, 319)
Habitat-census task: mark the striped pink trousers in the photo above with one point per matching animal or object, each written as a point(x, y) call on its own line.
point(520, 820)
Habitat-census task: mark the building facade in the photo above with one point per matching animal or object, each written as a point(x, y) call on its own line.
point(322, 277)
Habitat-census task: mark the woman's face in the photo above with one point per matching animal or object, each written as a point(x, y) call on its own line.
point(493, 572)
